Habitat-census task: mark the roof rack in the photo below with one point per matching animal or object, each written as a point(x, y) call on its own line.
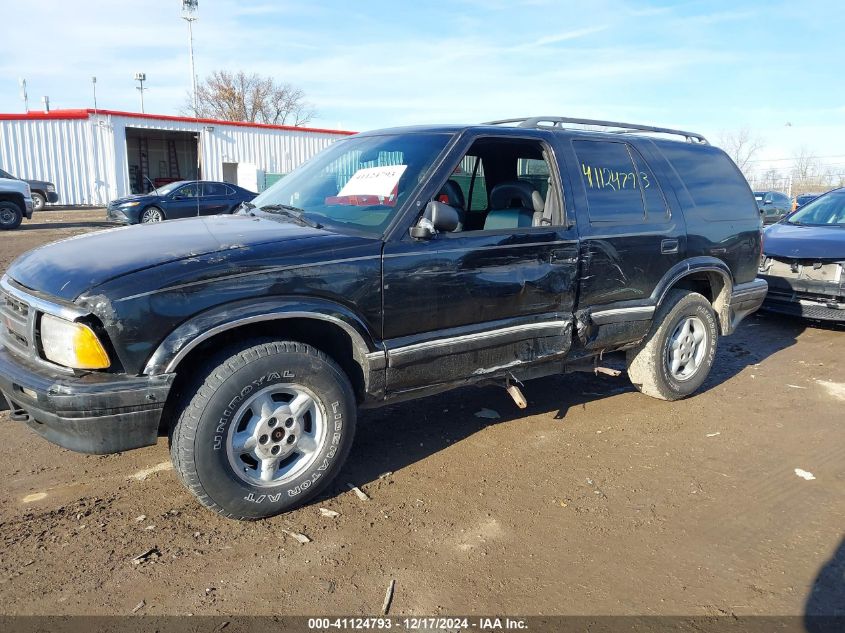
point(624, 128)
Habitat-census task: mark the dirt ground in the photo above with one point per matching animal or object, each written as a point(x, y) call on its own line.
point(595, 500)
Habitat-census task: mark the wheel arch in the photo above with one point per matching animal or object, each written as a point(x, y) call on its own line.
point(14, 197)
point(709, 277)
point(325, 325)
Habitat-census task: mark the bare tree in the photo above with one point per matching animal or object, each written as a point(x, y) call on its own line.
point(805, 166)
point(252, 98)
point(741, 145)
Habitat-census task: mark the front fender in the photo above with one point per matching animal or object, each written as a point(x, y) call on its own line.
point(205, 325)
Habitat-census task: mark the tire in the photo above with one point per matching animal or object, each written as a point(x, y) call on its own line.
point(151, 215)
point(11, 215)
point(38, 201)
point(228, 402)
point(681, 319)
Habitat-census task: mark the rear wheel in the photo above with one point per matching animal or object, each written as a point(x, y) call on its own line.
point(676, 357)
point(152, 214)
point(264, 429)
point(38, 201)
point(11, 215)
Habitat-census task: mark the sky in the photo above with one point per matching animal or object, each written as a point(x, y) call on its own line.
point(708, 66)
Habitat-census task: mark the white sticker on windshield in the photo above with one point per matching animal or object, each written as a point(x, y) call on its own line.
point(373, 181)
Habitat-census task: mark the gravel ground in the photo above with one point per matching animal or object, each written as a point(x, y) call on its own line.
point(594, 500)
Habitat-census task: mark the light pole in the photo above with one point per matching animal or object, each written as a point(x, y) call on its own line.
point(24, 94)
point(94, 84)
point(141, 78)
point(189, 14)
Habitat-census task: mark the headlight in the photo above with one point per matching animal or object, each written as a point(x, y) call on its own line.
point(51, 188)
point(129, 204)
point(72, 344)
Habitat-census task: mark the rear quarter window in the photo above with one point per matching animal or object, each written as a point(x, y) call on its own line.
point(717, 187)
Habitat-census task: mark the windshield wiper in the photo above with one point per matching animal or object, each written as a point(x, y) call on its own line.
point(292, 212)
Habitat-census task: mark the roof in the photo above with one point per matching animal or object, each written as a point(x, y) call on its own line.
point(84, 113)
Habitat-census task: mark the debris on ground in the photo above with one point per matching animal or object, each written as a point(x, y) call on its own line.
point(140, 518)
point(388, 597)
point(386, 474)
point(139, 606)
point(298, 536)
point(714, 434)
point(805, 474)
point(329, 513)
point(796, 387)
point(150, 554)
point(487, 414)
point(358, 492)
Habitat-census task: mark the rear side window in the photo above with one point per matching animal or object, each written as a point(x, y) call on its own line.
point(620, 186)
point(715, 184)
point(214, 189)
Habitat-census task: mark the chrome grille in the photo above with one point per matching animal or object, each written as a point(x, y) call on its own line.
point(17, 325)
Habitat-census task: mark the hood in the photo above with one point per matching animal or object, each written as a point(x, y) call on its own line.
point(141, 197)
point(68, 268)
point(790, 241)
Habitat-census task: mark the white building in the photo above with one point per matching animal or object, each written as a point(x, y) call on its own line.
point(96, 156)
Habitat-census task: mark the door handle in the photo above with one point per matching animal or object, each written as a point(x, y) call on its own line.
point(668, 247)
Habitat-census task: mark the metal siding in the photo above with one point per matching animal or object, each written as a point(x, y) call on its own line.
point(86, 159)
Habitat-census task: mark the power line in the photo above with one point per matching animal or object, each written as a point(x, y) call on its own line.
point(772, 160)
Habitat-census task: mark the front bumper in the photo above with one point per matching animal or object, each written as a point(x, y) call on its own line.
point(28, 209)
point(113, 214)
point(91, 413)
point(808, 307)
point(52, 197)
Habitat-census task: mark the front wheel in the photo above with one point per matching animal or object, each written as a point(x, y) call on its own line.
point(266, 429)
point(38, 201)
point(152, 214)
point(676, 356)
point(10, 216)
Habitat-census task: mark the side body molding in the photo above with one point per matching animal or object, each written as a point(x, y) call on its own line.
point(176, 346)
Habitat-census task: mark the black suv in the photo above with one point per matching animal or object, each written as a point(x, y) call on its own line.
point(42, 191)
point(396, 264)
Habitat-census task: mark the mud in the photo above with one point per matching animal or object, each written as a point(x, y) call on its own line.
point(594, 500)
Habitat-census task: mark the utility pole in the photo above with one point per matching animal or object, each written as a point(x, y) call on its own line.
point(189, 14)
point(141, 78)
point(24, 95)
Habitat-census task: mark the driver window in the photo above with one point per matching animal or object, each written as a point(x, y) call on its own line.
point(188, 191)
point(502, 184)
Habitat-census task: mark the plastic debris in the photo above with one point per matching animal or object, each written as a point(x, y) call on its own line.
point(388, 597)
point(805, 474)
point(298, 536)
point(329, 513)
point(358, 492)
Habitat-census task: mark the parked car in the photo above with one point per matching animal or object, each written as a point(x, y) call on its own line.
point(181, 199)
point(370, 275)
point(803, 199)
point(804, 256)
point(773, 205)
point(15, 203)
point(41, 190)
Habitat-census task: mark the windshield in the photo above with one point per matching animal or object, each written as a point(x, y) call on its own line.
point(827, 210)
point(359, 182)
point(166, 189)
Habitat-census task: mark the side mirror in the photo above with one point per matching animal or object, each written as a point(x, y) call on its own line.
point(439, 217)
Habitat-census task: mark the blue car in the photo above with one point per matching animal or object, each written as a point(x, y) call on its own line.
point(182, 199)
point(804, 258)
